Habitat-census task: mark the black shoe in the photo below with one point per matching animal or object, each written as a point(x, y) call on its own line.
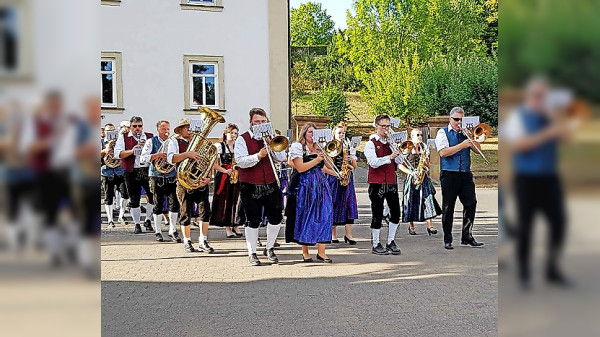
point(159, 237)
point(254, 260)
point(411, 231)
point(238, 234)
point(471, 243)
point(448, 245)
point(379, 250)
point(349, 241)
point(558, 279)
point(138, 229)
point(431, 230)
point(175, 237)
point(270, 254)
point(148, 226)
point(189, 248)
point(393, 248)
point(276, 245)
point(231, 236)
point(306, 260)
point(335, 241)
point(143, 209)
point(205, 247)
point(111, 225)
point(327, 260)
point(258, 243)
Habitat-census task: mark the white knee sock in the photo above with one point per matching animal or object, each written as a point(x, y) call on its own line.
point(251, 239)
point(149, 210)
point(272, 232)
point(172, 221)
point(53, 240)
point(109, 212)
point(118, 199)
point(124, 203)
point(136, 213)
point(157, 222)
point(392, 232)
point(375, 233)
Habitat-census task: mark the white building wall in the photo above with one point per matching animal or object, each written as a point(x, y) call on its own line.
point(153, 36)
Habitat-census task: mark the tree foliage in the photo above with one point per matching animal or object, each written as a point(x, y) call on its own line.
point(310, 25)
point(331, 102)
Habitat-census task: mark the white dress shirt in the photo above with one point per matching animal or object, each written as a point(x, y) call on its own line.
point(173, 149)
point(371, 155)
point(245, 160)
point(441, 139)
point(120, 146)
point(146, 155)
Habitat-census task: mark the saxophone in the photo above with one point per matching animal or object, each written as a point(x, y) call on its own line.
point(422, 168)
point(162, 165)
point(190, 172)
point(346, 170)
point(234, 172)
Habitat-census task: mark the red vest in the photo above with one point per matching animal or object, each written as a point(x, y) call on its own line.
point(183, 146)
point(384, 174)
point(261, 173)
point(128, 163)
point(40, 161)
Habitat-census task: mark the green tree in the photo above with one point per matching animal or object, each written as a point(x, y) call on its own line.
point(310, 25)
point(331, 102)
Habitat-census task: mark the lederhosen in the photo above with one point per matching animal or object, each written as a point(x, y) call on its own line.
point(187, 198)
point(383, 186)
point(136, 178)
point(162, 185)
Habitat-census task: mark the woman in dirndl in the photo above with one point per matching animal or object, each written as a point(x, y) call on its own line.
point(418, 201)
point(226, 194)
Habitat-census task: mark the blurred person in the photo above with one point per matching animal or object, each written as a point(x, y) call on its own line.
point(226, 192)
point(418, 201)
point(345, 208)
point(128, 148)
point(456, 178)
point(112, 179)
point(176, 153)
point(533, 134)
point(162, 185)
point(258, 187)
point(383, 185)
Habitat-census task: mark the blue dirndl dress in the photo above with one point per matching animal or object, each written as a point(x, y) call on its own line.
point(345, 209)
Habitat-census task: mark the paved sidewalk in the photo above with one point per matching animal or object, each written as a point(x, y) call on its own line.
point(156, 289)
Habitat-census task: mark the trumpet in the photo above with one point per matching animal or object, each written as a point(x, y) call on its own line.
point(480, 133)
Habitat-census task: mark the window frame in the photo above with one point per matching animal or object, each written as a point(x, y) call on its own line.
point(117, 85)
point(215, 6)
point(110, 2)
point(188, 76)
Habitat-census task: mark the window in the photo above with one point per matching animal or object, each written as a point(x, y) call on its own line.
point(15, 41)
point(112, 85)
point(203, 5)
point(110, 2)
point(203, 82)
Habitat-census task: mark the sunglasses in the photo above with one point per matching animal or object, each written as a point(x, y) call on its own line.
point(137, 126)
point(457, 119)
point(419, 135)
point(385, 126)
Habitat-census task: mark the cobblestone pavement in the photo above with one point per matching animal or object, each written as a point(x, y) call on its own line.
point(156, 289)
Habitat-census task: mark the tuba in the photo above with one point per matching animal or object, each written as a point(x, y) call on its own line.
point(190, 172)
point(162, 165)
point(109, 158)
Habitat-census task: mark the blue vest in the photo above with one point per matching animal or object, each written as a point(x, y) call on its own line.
point(106, 171)
point(461, 160)
point(542, 159)
point(153, 172)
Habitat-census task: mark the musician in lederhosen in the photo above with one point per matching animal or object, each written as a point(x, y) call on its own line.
point(129, 148)
point(112, 179)
point(383, 185)
point(176, 153)
point(162, 185)
point(258, 187)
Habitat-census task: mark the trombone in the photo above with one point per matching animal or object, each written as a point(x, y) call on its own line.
point(405, 149)
point(277, 144)
point(480, 133)
point(332, 149)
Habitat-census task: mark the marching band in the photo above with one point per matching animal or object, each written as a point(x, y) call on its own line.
point(252, 179)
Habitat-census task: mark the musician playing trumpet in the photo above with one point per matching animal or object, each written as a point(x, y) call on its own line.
point(258, 186)
point(418, 197)
point(456, 178)
point(162, 185)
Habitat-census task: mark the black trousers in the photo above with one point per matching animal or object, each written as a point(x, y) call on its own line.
point(52, 192)
point(539, 194)
point(461, 185)
point(255, 197)
point(164, 188)
point(109, 184)
point(134, 181)
point(378, 193)
point(186, 201)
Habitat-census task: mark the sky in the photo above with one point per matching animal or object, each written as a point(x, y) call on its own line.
point(335, 8)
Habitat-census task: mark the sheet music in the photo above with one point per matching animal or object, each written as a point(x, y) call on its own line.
point(398, 137)
point(394, 122)
point(355, 142)
point(196, 125)
point(431, 143)
point(111, 135)
point(322, 134)
point(261, 130)
point(470, 122)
